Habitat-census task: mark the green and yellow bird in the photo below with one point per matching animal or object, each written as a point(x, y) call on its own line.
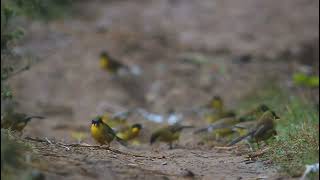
point(16, 121)
point(262, 130)
point(217, 110)
point(111, 65)
point(130, 133)
point(168, 134)
point(103, 133)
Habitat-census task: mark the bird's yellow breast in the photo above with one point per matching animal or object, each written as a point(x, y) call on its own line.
point(95, 131)
point(99, 135)
point(130, 134)
point(135, 131)
point(104, 63)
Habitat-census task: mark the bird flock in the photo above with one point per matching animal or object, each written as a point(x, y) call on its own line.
point(253, 127)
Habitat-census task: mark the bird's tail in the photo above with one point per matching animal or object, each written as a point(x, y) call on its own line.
point(154, 137)
point(129, 70)
point(121, 141)
point(33, 117)
point(202, 130)
point(233, 142)
point(186, 127)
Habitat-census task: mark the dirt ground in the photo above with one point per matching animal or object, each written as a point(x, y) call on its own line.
point(67, 86)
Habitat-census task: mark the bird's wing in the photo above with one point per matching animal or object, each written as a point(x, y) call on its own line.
point(108, 130)
point(154, 136)
point(261, 130)
point(233, 142)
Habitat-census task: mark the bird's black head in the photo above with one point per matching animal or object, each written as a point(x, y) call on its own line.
point(138, 126)
point(264, 108)
point(96, 121)
point(104, 54)
point(216, 98)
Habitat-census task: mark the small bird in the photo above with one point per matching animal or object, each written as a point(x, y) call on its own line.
point(16, 121)
point(216, 103)
point(217, 110)
point(168, 134)
point(263, 129)
point(130, 133)
point(103, 133)
point(111, 65)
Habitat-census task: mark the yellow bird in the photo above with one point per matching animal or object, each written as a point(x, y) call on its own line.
point(104, 134)
point(217, 110)
point(111, 65)
point(168, 134)
point(263, 129)
point(130, 133)
point(17, 121)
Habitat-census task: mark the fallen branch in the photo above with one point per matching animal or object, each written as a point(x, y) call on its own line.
point(67, 146)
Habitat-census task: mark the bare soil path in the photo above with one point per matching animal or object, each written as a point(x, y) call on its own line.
point(68, 87)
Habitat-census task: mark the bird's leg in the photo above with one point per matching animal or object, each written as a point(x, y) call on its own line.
point(105, 146)
point(217, 136)
point(170, 145)
point(258, 145)
point(249, 144)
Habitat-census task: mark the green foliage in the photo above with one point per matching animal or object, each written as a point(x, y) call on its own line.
point(12, 156)
point(8, 33)
point(42, 9)
point(297, 142)
point(302, 79)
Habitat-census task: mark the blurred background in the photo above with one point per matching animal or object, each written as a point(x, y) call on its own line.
point(247, 52)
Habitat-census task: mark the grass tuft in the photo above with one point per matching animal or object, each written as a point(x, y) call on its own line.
point(297, 142)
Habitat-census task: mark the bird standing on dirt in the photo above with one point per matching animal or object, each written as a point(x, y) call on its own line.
point(16, 121)
point(111, 65)
point(168, 134)
point(217, 110)
point(263, 129)
point(102, 133)
point(130, 133)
